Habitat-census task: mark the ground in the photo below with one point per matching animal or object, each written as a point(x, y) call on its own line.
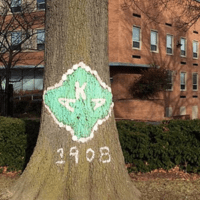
point(173, 174)
point(155, 185)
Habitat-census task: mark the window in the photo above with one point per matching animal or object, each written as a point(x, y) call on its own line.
point(195, 49)
point(168, 111)
point(195, 81)
point(136, 15)
point(15, 6)
point(16, 79)
point(167, 24)
point(182, 110)
point(39, 79)
point(169, 44)
point(16, 39)
point(183, 47)
point(27, 79)
point(170, 80)
point(183, 81)
point(194, 112)
point(136, 37)
point(2, 44)
point(27, 36)
point(40, 39)
point(40, 4)
point(154, 41)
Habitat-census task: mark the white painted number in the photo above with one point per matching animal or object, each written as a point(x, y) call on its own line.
point(92, 157)
point(61, 155)
point(104, 154)
point(74, 153)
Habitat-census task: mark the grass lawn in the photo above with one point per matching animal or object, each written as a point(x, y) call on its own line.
point(153, 186)
point(162, 189)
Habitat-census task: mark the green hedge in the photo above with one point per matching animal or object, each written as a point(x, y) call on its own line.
point(17, 141)
point(149, 147)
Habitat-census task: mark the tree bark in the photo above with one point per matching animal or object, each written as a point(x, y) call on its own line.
point(62, 168)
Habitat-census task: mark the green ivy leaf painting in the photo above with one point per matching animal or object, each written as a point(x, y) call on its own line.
point(80, 102)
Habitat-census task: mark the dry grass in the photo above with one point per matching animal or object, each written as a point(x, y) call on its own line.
point(6, 182)
point(162, 189)
point(153, 186)
point(168, 185)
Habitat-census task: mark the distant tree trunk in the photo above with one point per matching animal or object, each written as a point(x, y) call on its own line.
point(6, 103)
point(66, 164)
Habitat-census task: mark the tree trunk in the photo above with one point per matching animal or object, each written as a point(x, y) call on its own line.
point(6, 102)
point(73, 161)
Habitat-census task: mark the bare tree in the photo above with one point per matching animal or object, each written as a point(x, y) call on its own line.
point(185, 13)
point(150, 83)
point(18, 22)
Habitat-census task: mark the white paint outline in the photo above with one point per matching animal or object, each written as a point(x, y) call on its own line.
point(92, 157)
point(99, 121)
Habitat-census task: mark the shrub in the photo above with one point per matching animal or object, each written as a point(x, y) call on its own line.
point(17, 141)
point(12, 143)
point(148, 147)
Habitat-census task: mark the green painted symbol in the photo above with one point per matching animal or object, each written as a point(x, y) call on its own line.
point(80, 102)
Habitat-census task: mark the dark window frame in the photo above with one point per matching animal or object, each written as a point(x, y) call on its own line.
point(183, 85)
point(41, 5)
point(154, 47)
point(136, 44)
point(195, 85)
point(183, 52)
point(169, 50)
point(195, 54)
point(41, 44)
point(17, 7)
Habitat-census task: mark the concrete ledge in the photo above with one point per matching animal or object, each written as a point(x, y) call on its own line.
point(181, 117)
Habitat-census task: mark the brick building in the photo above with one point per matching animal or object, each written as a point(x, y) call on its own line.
point(23, 18)
point(140, 34)
point(145, 33)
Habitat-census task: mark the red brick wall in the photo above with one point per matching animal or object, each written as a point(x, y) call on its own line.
point(127, 107)
point(121, 21)
point(139, 109)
